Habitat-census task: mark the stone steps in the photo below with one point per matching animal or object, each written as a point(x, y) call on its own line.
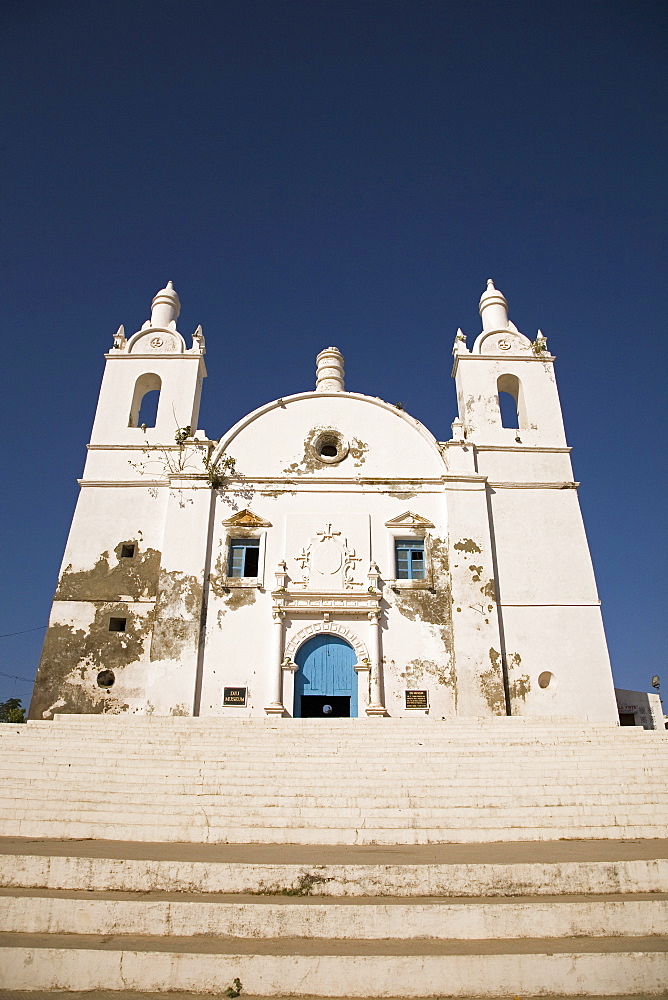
point(219, 866)
point(197, 832)
point(508, 870)
point(190, 915)
point(358, 781)
point(424, 804)
point(399, 816)
point(336, 968)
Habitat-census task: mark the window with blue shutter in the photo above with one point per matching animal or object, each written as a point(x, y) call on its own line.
point(410, 562)
point(244, 557)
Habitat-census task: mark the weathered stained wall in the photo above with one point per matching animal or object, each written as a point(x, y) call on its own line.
point(96, 583)
point(506, 620)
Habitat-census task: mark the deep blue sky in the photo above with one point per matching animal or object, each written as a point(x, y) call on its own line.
point(321, 171)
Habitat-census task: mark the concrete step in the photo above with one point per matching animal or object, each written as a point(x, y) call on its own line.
point(202, 783)
point(226, 814)
point(162, 914)
point(181, 995)
point(237, 834)
point(500, 869)
point(338, 968)
point(191, 809)
point(307, 924)
point(419, 799)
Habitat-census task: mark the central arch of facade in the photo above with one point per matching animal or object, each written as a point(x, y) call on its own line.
point(335, 628)
point(362, 667)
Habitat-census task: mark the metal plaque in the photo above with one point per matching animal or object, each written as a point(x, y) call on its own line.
point(234, 697)
point(417, 699)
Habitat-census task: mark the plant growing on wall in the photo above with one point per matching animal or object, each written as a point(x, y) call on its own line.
point(186, 455)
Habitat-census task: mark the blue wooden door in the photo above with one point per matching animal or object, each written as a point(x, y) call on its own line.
point(325, 667)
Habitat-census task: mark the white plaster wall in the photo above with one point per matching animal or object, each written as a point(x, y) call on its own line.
point(384, 441)
point(569, 643)
point(143, 464)
point(175, 645)
point(477, 643)
point(646, 707)
point(107, 515)
point(541, 547)
point(514, 465)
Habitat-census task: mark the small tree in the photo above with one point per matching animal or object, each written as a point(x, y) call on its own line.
point(11, 711)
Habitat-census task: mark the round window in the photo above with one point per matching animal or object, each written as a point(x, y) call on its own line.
point(106, 678)
point(546, 679)
point(329, 446)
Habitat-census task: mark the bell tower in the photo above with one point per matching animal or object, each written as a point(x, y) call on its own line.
point(510, 436)
point(505, 362)
point(153, 359)
point(125, 622)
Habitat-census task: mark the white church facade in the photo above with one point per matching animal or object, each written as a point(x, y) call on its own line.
point(327, 556)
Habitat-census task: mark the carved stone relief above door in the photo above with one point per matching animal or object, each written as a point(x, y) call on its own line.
point(327, 556)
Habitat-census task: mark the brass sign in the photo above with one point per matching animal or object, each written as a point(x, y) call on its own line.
point(234, 697)
point(417, 699)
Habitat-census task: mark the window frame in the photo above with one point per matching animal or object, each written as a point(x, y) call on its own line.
point(409, 535)
point(233, 534)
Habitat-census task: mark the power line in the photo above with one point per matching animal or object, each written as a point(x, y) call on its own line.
point(16, 677)
point(23, 631)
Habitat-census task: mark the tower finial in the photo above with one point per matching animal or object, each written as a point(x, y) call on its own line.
point(493, 309)
point(165, 308)
point(329, 371)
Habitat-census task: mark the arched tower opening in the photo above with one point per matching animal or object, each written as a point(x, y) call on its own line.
point(145, 399)
point(511, 401)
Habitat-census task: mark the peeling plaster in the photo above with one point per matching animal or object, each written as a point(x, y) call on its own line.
point(72, 657)
point(519, 685)
point(433, 606)
point(467, 545)
point(357, 450)
point(418, 670)
point(133, 578)
point(491, 684)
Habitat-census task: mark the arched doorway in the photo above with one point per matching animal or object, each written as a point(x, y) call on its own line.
point(325, 681)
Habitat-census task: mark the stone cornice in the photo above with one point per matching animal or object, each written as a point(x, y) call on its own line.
point(148, 445)
point(563, 485)
point(560, 450)
point(506, 358)
point(319, 602)
point(124, 356)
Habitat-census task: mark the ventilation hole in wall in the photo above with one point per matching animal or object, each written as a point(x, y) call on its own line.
point(328, 446)
point(106, 679)
point(545, 679)
point(127, 551)
point(117, 624)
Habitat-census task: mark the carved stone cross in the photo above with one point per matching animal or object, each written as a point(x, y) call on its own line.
point(328, 533)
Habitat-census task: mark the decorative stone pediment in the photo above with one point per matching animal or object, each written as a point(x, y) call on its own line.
point(409, 520)
point(502, 342)
point(246, 519)
point(154, 340)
